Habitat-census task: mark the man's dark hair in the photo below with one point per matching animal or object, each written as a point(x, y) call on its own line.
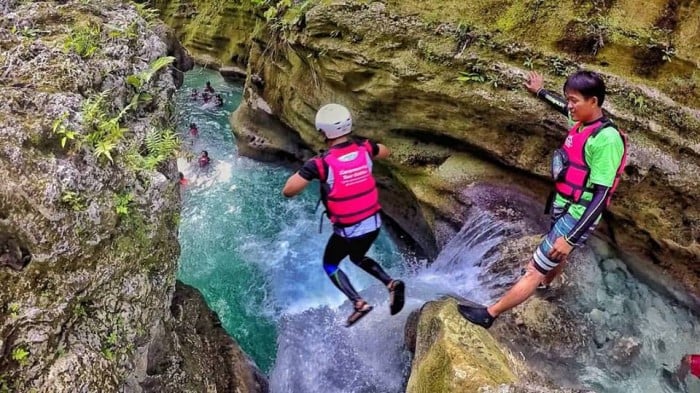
point(588, 83)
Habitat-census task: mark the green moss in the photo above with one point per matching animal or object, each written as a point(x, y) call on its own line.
point(217, 32)
point(431, 373)
point(454, 355)
point(513, 16)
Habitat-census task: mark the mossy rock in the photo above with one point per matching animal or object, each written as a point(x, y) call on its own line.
point(453, 355)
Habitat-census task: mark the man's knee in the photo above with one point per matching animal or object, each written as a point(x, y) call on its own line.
point(330, 268)
point(532, 271)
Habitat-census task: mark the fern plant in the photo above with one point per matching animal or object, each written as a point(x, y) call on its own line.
point(161, 145)
point(140, 81)
point(105, 131)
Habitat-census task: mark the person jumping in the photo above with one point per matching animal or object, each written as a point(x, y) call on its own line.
point(351, 198)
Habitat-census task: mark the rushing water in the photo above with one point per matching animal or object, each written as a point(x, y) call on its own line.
point(256, 257)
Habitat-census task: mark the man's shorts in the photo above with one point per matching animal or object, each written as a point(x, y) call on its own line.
point(563, 222)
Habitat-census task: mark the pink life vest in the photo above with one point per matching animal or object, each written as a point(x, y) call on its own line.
point(695, 365)
point(571, 182)
point(353, 195)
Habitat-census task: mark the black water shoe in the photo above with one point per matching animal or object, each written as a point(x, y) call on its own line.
point(397, 296)
point(476, 315)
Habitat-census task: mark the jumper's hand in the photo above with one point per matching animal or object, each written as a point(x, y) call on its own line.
point(560, 249)
point(535, 82)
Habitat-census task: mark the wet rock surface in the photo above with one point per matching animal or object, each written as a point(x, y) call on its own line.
point(175, 361)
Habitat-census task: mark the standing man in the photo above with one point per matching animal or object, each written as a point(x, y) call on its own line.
point(349, 193)
point(586, 171)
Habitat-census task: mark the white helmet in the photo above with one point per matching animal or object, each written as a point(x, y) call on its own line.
point(334, 121)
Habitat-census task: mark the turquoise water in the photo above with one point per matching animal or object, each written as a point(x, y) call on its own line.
point(253, 254)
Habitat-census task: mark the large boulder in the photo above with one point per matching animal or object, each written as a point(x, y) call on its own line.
point(453, 355)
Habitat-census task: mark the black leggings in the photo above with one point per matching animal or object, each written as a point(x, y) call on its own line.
point(338, 248)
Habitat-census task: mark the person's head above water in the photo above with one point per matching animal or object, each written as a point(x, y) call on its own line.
point(205, 153)
point(334, 121)
point(585, 94)
point(192, 125)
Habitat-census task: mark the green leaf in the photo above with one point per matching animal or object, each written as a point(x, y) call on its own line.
point(112, 339)
point(134, 80)
point(104, 148)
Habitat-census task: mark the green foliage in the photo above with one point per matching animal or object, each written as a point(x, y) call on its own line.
point(475, 73)
point(61, 130)
point(83, 40)
point(494, 80)
point(20, 355)
point(667, 53)
point(121, 203)
point(60, 351)
point(108, 354)
point(79, 310)
point(112, 339)
point(13, 308)
point(528, 63)
point(105, 132)
point(283, 14)
point(26, 32)
point(150, 15)
point(271, 13)
point(112, 344)
point(5, 387)
point(140, 81)
point(130, 33)
point(161, 144)
point(72, 199)
point(471, 77)
point(558, 67)
point(638, 101)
